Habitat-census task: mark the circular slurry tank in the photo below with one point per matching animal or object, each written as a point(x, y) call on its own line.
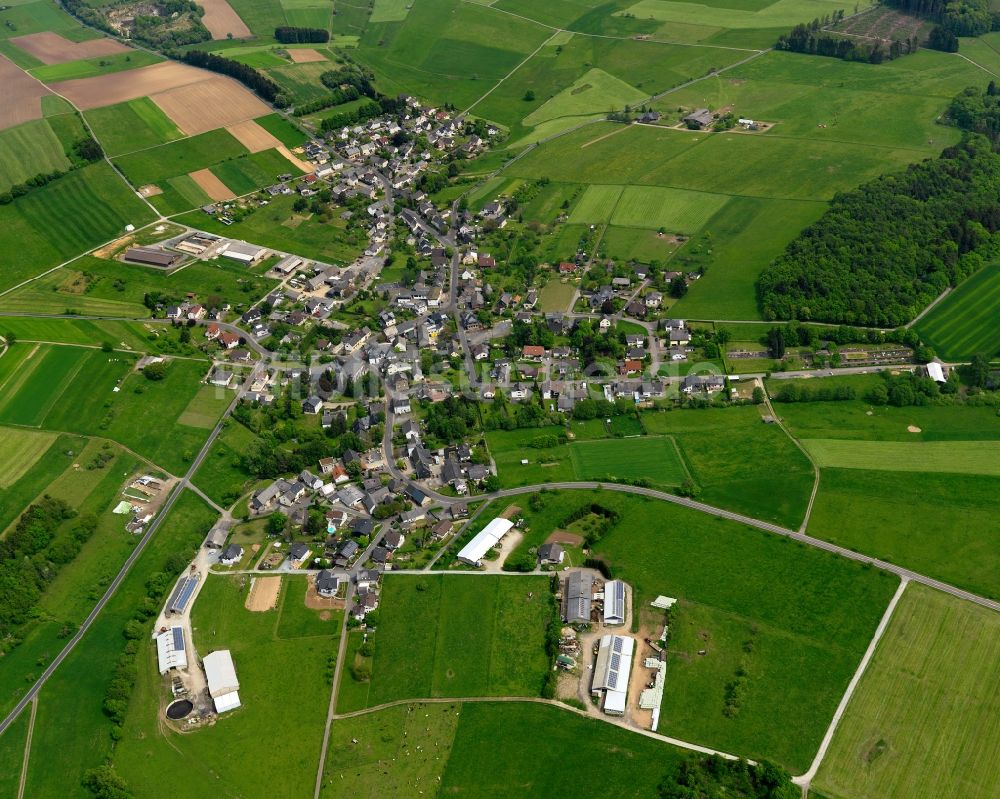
point(180, 709)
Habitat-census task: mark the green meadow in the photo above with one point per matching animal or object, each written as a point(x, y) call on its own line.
point(132, 125)
point(92, 67)
point(477, 636)
point(957, 457)
point(924, 714)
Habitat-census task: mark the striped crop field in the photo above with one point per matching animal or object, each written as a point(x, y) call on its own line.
point(957, 457)
point(966, 322)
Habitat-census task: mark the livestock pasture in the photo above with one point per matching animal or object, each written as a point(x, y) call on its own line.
point(51, 48)
point(595, 90)
point(487, 749)
point(807, 613)
point(939, 524)
point(966, 322)
point(957, 457)
point(485, 637)
point(925, 712)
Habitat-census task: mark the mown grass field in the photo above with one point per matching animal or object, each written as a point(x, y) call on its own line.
point(654, 458)
point(488, 749)
point(133, 125)
point(595, 90)
point(22, 449)
point(128, 335)
point(942, 525)
point(674, 210)
point(221, 476)
point(596, 205)
point(12, 744)
point(92, 67)
point(181, 157)
point(478, 636)
point(28, 150)
point(958, 457)
point(966, 323)
point(926, 715)
point(71, 728)
point(76, 390)
point(98, 202)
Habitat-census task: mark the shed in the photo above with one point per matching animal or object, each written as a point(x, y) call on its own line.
point(473, 552)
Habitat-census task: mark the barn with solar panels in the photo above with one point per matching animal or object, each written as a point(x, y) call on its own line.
point(611, 672)
point(170, 650)
point(614, 602)
point(182, 594)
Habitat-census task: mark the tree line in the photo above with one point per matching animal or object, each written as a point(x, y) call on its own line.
point(84, 151)
point(257, 82)
point(813, 38)
point(978, 111)
point(288, 34)
point(883, 251)
point(958, 17)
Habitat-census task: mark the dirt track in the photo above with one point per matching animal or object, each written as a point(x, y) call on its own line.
point(221, 20)
point(21, 95)
point(51, 48)
point(264, 594)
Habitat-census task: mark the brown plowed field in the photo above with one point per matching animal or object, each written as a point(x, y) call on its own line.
point(211, 185)
point(87, 93)
point(51, 48)
point(209, 104)
point(305, 166)
point(22, 95)
point(264, 594)
point(305, 55)
point(253, 136)
point(221, 20)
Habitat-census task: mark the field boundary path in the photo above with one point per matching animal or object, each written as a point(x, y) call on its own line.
point(27, 749)
point(338, 670)
point(804, 780)
point(929, 308)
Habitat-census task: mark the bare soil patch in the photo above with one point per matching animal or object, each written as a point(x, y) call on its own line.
point(564, 537)
point(305, 166)
point(209, 104)
point(211, 185)
point(306, 55)
point(316, 602)
point(51, 48)
point(253, 136)
point(221, 20)
point(119, 87)
point(22, 95)
point(913, 429)
point(263, 594)
point(511, 511)
point(150, 191)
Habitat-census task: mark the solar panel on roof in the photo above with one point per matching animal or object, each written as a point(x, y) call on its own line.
point(183, 594)
point(178, 639)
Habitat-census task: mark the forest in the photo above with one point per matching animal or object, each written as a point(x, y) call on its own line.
point(960, 17)
point(885, 250)
point(978, 111)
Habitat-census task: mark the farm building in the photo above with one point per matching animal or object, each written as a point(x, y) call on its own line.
point(614, 602)
point(577, 597)
point(491, 535)
point(170, 650)
point(182, 594)
point(216, 538)
point(248, 254)
point(150, 257)
point(611, 672)
point(699, 119)
point(223, 686)
point(936, 372)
